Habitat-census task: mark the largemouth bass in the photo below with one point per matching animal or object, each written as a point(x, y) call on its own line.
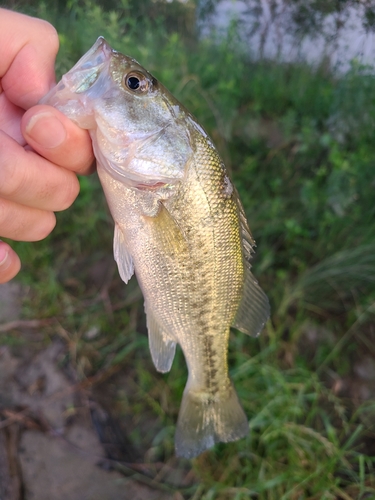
point(179, 225)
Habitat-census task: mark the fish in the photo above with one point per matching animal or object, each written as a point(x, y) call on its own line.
point(179, 226)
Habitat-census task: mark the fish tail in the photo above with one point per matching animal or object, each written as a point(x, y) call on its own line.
point(207, 419)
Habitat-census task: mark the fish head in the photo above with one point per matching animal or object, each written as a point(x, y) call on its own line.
point(138, 128)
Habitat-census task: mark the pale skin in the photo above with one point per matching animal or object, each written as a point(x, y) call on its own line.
point(41, 150)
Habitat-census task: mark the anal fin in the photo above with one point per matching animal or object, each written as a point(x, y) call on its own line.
point(122, 257)
point(254, 308)
point(162, 347)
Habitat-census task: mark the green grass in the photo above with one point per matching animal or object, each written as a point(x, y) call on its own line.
point(300, 145)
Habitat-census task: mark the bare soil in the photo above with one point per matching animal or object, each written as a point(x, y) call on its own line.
point(57, 441)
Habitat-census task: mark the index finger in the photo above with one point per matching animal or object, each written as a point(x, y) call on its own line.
point(28, 48)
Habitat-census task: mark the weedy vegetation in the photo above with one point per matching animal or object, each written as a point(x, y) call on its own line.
point(300, 143)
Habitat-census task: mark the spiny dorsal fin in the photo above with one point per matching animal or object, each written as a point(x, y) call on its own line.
point(247, 238)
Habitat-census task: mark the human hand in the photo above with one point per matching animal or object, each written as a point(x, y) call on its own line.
point(40, 150)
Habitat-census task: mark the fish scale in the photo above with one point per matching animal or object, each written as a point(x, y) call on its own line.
point(179, 225)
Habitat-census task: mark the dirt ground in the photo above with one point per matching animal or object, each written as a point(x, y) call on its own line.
point(54, 438)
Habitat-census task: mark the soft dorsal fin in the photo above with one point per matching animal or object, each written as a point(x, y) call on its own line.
point(122, 257)
point(162, 347)
point(254, 308)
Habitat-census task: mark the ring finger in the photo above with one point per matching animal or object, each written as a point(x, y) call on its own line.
point(22, 223)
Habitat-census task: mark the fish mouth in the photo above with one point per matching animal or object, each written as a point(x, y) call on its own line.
point(83, 74)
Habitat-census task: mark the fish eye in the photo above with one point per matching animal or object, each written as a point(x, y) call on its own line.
point(136, 82)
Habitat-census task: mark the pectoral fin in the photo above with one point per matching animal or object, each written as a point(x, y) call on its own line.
point(162, 347)
point(148, 203)
point(122, 257)
point(167, 231)
point(254, 309)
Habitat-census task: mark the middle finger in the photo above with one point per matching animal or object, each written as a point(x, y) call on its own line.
point(31, 180)
point(10, 118)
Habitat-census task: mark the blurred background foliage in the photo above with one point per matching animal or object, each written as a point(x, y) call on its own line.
point(299, 141)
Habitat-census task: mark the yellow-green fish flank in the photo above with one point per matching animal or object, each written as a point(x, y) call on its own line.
point(179, 225)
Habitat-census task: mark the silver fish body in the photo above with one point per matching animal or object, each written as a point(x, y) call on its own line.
point(179, 224)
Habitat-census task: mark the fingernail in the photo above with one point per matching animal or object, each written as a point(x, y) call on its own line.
point(46, 130)
point(3, 255)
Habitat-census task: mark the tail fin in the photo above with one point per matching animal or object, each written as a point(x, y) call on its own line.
point(205, 420)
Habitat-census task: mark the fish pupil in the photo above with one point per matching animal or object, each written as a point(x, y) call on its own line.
point(133, 83)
